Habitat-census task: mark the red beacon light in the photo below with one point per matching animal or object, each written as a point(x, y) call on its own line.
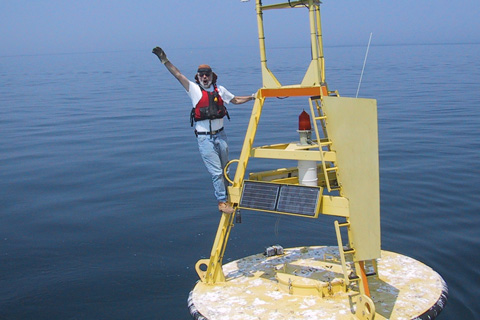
point(304, 122)
point(305, 129)
point(307, 170)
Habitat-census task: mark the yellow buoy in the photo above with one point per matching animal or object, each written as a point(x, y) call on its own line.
point(306, 283)
point(354, 280)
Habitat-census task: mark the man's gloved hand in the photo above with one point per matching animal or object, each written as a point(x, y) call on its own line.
point(160, 54)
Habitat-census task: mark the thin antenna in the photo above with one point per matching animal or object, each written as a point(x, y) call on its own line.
point(364, 62)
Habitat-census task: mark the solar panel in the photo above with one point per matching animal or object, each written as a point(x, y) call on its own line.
point(298, 199)
point(262, 196)
point(280, 198)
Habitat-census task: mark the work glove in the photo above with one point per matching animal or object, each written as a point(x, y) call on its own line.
point(160, 54)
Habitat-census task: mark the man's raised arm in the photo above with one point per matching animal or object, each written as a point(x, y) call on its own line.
point(173, 70)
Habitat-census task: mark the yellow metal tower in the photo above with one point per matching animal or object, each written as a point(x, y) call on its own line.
point(345, 150)
point(314, 282)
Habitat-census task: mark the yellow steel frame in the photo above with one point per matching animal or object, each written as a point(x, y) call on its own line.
point(348, 155)
point(210, 270)
point(315, 75)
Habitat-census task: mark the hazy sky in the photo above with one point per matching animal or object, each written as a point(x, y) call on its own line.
point(66, 26)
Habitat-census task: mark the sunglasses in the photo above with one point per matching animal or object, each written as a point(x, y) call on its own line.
point(204, 73)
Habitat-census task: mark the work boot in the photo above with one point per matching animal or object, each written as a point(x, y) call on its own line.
point(225, 207)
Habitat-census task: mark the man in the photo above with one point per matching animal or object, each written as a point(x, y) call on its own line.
point(208, 112)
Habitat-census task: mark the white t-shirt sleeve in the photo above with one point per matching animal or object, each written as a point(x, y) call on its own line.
point(226, 95)
point(195, 93)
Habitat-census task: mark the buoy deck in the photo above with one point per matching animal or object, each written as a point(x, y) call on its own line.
point(403, 289)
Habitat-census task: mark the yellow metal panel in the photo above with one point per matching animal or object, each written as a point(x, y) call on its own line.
point(335, 206)
point(311, 77)
point(269, 80)
point(352, 128)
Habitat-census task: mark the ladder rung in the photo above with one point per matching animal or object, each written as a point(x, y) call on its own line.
point(344, 224)
point(349, 250)
point(320, 118)
point(333, 186)
point(332, 169)
point(353, 277)
point(371, 274)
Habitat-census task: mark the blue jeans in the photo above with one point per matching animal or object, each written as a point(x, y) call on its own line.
point(214, 152)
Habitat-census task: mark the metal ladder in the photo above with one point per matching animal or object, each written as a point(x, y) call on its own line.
point(360, 275)
point(319, 119)
point(365, 307)
point(345, 250)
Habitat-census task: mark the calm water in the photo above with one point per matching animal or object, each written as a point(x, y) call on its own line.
point(105, 205)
